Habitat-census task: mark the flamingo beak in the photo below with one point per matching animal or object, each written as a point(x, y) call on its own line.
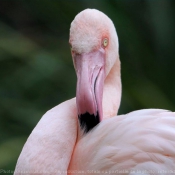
point(89, 93)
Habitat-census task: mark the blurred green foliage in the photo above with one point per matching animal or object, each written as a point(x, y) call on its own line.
point(36, 70)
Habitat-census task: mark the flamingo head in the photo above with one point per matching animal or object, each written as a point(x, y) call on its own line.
point(94, 48)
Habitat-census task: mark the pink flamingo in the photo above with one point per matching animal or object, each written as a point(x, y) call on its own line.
point(141, 142)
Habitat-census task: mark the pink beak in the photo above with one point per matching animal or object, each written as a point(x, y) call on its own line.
point(90, 80)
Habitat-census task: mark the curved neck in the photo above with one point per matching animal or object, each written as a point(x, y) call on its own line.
point(112, 91)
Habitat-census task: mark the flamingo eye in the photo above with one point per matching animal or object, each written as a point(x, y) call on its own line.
point(105, 42)
point(72, 51)
point(71, 48)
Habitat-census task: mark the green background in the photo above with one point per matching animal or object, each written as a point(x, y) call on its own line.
point(36, 70)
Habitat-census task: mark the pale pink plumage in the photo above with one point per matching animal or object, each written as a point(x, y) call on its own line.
point(49, 148)
point(141, 142)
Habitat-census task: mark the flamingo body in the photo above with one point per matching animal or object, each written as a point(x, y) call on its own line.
point(142, 141)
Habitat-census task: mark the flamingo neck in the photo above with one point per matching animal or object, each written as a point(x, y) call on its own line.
point(112, 91)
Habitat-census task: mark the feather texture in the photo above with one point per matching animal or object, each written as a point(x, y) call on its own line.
point(142, 140)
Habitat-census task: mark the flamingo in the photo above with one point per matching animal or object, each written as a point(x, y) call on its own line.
point(84, 135)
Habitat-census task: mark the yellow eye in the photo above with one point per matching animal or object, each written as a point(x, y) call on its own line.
point(105, 42)
point(71, 48)
point(72, 51)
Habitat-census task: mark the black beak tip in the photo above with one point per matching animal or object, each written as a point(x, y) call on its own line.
point(88, 121)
